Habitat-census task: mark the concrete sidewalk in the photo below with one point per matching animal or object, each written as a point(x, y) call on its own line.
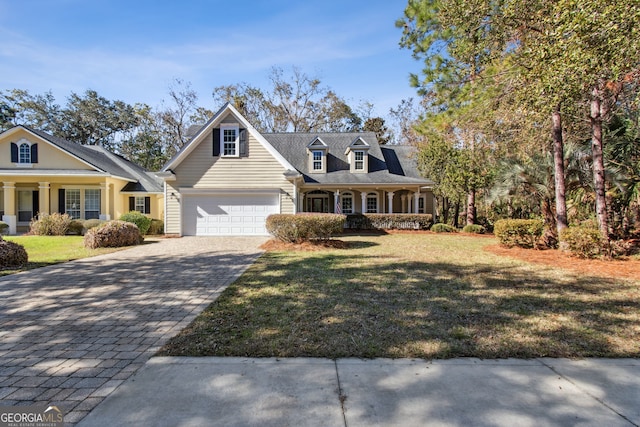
point(170, 391)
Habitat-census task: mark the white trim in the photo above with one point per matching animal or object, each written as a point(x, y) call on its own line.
point(216, 120)
point(188, 191)
point(236, 142)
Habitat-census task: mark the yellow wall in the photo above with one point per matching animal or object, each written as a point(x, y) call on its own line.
point(49, 156)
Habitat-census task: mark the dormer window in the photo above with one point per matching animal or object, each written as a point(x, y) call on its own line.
point(317, 160)
point(358, 156)
point(317, 150)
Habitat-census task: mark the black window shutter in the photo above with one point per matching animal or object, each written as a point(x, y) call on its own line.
point(243, 143)
point(35, 202)
point(61, 204)
point(14, 152)
point(132, 204)
point(34, 153)
point(147, 205)
point(216, 142)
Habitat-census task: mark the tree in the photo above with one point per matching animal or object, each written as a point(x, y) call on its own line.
point(94, 120)
point(455, 40)
point(376, 124)
point(295, 103)
point(38, 111)
point(175, 117)
point(404, 118)
point(144, 143)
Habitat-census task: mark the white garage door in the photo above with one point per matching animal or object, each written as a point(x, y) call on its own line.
point(227, 215)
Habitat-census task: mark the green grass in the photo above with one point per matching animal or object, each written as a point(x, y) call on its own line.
point(414, 295)
point(48, 250)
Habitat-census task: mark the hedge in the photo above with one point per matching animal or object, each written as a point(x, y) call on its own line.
point(474, 228)
point(303, 227)
point(443, 228)
point(55, 224)
point(523, 233)
point(582, 241)
point(113, 234)
point(142, 221)
point(389, 221)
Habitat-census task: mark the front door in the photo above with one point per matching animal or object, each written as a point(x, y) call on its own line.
point(317, 204)
point(25, 206)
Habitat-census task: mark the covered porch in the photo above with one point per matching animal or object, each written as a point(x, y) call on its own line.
point(353, 200)
point(22, 200)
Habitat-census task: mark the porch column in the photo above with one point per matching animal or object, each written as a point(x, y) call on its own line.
point(105, 206)
point(404, 204)
point(416, 200)
point(363, 196)
point(336, 201)
point(10, 206)
point(44, 198)
point(390, 204)
point(409, 203)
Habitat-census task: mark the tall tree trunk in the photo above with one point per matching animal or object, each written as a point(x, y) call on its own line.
point(445, 210)
point(598, 161)
point(471, 207)
point(558, 162)
point(456, 214)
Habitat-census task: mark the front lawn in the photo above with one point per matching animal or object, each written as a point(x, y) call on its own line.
point(414, 295)
point(47, 250)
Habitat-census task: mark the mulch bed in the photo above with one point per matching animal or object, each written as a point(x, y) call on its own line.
point(623, 267)
point(316, 245)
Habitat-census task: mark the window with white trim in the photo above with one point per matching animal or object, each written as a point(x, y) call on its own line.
point(347, 203)
point(359, 160)
point(91, 204)
point(372, 203)
point(24, 155)
point(140, 205)
point(317, 160)
point(229, 139)
point(72, 203)
point(421, 204)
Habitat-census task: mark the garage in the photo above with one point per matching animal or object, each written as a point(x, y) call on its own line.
point(228, 214)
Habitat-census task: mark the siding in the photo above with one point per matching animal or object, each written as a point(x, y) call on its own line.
point(259, 170)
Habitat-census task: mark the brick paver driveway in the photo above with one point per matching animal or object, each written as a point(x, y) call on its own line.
point(71, 333)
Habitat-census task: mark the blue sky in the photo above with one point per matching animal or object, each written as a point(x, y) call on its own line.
point(132, 50)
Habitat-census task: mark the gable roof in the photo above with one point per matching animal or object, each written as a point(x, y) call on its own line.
point(211, 124)
point(386, 165)
point(102, 160)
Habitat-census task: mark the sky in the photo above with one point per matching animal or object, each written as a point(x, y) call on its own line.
point(133, 50)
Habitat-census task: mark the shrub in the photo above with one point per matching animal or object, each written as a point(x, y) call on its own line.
point(143, 222)
point(301, 227)
point(157, 227)
point(523, 233)
point(113, 234)
point(443, 228)
point(474, 228)
point(582, 241)
point(12, 254)
point(55, 224)
point(91, 223)
point(76, 226)
point(389, 221)
point(3, 227)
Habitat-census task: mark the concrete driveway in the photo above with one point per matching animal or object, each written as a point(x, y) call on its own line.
point(71, 333)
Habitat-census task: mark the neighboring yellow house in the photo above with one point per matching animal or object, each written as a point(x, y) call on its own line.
point(229, 177)
point(42, 174)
